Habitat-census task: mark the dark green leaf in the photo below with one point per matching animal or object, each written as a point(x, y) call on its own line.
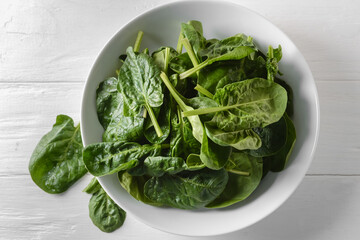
point(213, 155)
point(278, 161)
point(194, 163)
point(239, 186)
point(104, 212)
point(158, 166)
point(239, 139)
point(273, 138)
point(187, 190)
point(56, 162)
point(107, 157)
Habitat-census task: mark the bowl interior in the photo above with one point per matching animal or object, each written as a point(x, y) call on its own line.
point(161, 27)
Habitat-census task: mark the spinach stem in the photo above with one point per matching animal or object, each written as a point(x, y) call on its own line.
point(270, 52)
point(167, 59)
point(138, 41)
point(173, 91)
point(204, 91)
point(241, 173)
point(190, 51)
point(202, 111)
point(193, 70)
point(154, 121)
point(179, 44)
point(146, 51)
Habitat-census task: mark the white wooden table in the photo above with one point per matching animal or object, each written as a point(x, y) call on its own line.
point(47, 48)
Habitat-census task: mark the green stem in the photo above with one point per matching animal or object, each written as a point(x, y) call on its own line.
point(202, 111)
point(154, 121)
point(179, 44)
point(146, 51)
point(239, 172)
point(204, 91)
point(138, 41)
point(190, 51)
point(270, 52)
point(167, 59)
point(173, 91)
point(193, 70)
point(165, 146)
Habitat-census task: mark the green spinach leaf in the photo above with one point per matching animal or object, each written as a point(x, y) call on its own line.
point(107, 157)
point(187, 190)
point(273, 138)
point(103, 211)
point(239, 139)
point(278, 161)
point(56, 162)
point(141, 86)
point(158, 166)
point(245, 174)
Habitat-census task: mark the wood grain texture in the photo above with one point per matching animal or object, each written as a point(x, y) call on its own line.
point(47, 48)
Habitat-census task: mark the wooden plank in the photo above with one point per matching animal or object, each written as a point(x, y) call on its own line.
point(322, 208)
point(29, 110)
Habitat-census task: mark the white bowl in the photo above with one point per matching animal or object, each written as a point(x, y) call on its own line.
point(220, 19)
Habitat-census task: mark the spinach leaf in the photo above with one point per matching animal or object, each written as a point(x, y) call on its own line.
point(247, 104)
point(219, 74)
point(278, 161)
point(141, 86)
point(245, 174)
point(56, 162)
point(103, 211)
point(110, 157)
point(187, 190)
point(290, 102)
point(213, 155)
point(239, 139)
point(158, 166)
point(194, 163)
point(273, 138)
point(180, 63)
point(107, 100)
point(191, 32)
point(135, 186)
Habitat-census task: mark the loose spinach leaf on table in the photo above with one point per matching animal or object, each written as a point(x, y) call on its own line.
point(103, 211)
point(107, 157)
point(187, 190)
point(245, 173)
point(56, 162)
